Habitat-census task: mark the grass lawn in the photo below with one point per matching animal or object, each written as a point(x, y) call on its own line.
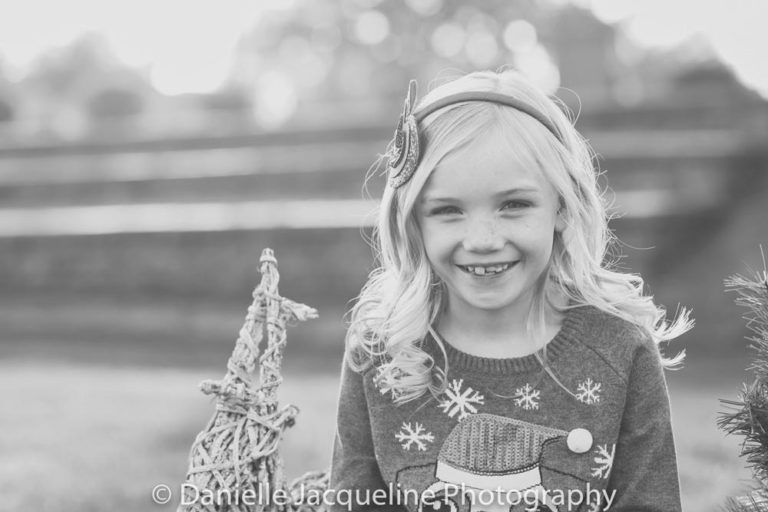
point(96, 437)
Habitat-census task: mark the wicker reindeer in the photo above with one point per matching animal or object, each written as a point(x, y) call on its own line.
point(235, 463)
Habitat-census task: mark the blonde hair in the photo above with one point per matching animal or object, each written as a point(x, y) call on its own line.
point(403, 298)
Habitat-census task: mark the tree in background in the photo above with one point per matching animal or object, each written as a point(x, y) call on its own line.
point(6, 111)
point(112, 102)
point(73, 87)
point(356, 56)
point(749, 414)
point(319, 62)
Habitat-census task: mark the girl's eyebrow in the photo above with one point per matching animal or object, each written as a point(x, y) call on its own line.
point(503, 193)
point(517, 190)
point(429, 199)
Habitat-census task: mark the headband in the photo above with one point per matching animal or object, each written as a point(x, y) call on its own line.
point(404, 151)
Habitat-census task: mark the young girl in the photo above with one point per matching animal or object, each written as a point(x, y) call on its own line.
point(494, 360)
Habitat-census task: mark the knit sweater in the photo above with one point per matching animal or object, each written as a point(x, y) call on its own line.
point(504, 434)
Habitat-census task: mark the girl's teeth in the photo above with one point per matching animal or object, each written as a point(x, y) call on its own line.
point(481, 271)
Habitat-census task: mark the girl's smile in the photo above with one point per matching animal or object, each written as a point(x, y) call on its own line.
point(487, 270)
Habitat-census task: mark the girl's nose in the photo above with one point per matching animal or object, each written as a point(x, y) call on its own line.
point(483, 236)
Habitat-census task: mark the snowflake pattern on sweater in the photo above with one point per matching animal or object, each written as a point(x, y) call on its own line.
point(528, 398)
point(604, 461)
point(414, 436)
point(589, 392)
point(462, 402)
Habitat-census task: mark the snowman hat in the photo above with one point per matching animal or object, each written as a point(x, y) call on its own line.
point(486, 451)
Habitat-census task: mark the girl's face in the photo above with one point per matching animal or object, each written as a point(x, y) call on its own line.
point(488, 224)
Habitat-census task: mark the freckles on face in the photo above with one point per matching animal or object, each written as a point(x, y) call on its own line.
point(487, 224)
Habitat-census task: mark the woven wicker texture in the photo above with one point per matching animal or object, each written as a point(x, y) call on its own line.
point(234, 463)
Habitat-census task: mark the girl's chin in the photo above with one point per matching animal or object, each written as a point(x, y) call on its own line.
point(501, 299)
point(500, 305)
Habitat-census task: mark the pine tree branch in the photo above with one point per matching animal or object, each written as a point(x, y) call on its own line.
point(748, 415)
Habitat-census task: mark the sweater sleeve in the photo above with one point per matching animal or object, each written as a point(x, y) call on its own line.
point(355, 474)
point(644, 472)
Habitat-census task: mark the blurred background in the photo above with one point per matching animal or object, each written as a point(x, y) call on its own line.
point(150, 150)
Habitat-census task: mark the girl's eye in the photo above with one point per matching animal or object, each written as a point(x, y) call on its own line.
point(445, 210)
point(516, 205)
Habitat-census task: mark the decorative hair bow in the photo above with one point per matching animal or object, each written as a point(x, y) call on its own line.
point(404, 148)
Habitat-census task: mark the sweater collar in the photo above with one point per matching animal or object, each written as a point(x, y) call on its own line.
point(570, 331)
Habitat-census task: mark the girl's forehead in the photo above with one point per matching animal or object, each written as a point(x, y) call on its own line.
point(485, 164)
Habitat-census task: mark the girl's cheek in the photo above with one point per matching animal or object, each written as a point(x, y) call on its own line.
point(449, 232)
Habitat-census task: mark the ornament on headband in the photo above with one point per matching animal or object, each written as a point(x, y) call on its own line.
point(404, 149)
